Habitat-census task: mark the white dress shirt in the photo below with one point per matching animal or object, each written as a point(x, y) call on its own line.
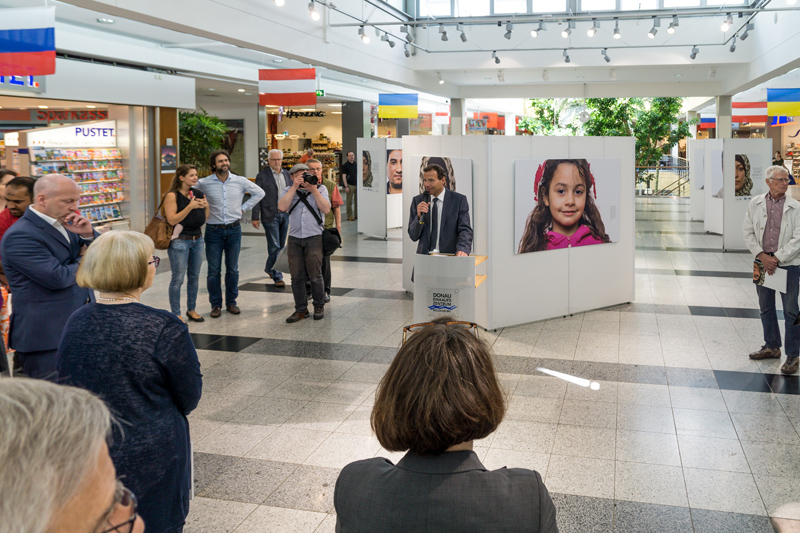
point(225, 197)
point(53, 222)
point(439, 210)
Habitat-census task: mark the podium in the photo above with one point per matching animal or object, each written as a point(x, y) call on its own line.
point(446, 285)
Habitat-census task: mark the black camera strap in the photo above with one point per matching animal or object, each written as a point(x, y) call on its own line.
point(304, 199)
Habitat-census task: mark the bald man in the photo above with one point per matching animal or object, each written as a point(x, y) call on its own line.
point(41, 254)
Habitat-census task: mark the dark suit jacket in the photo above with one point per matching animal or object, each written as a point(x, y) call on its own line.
point(456, 232)
point(267, 208)
point(40, 266)
point(451, 492)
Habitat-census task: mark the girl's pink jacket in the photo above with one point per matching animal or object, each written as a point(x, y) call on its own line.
point(582, 237)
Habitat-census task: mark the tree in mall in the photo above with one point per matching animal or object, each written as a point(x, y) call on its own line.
point(552, 117)
point(201, 134)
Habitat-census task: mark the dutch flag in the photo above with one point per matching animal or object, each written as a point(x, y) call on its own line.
point(27, 41)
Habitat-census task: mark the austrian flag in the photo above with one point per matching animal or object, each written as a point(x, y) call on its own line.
point(287, 87)
point(27, 41)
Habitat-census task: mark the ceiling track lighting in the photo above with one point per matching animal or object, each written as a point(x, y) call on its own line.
point(385, 38)
point(279, 3)
point(439, 75)
point(406, 51)
point(604, 53)
point(496, 59)
point(568, 30)
point(509, 29)
point(500, 76)
point(407, 31)
point(617, 34)
point(746, 33)
point(733, 44)
point(443, 32)
point(672, 25)
point(566, 56)
point(535, 31)
point(545, 75)
point(654, 29)
point(612, 74)
point(591, 32)
point(460, 28)
point(363, 35)
point(726, 25)
point(312, 11)
point(694, 53)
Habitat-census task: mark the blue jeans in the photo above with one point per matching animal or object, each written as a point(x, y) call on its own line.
point(229, 240)
point(276, 239)
point(769, 317)
point(184, 256)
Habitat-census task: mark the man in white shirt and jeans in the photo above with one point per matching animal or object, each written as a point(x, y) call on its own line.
point(224, 191)
point(772, 233)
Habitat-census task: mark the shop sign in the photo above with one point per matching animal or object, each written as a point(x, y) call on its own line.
point(28, 84)
point(65, 115)
point(297, 114)
point(476, 124)
point(320, 92)
point(94, 135)
point(11, 138)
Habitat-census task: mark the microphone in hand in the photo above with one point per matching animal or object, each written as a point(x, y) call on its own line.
point(427, 199)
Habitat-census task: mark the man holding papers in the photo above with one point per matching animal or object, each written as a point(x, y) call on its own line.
point(772, 233)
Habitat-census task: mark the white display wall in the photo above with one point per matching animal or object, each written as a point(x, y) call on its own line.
point(697, 179)
point(533, 286)
point(377, 210)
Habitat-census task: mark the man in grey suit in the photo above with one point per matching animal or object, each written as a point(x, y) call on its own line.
point(273, 180)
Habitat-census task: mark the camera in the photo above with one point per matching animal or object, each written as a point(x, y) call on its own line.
point(310, 178)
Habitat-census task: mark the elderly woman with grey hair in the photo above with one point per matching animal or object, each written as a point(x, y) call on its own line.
point(56, 474)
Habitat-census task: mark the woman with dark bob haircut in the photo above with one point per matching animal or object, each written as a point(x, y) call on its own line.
point(439, 395)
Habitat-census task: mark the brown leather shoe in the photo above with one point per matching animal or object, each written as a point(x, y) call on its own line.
point(216, 312)
point(791, 365)
point(280, 284)
point(233, 309)
point(319, 312)
point(297, 316)
point(766, 353)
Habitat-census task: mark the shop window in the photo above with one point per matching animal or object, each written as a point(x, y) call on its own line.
point(636, 5)
point(598, 5)
point(682, 3)
point(435, 8)
point(510, 6)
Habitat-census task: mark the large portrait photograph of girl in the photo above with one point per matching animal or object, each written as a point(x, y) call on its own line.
point(564, 203)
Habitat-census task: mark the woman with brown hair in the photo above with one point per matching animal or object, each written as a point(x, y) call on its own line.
point(188, 207)
point(439, 395)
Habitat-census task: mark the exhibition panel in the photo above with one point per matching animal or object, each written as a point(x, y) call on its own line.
point(380, 185)
point(714, 205)
point(697, 179)
point(744, 163)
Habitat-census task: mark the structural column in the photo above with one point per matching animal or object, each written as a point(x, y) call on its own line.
point(691, 115)
point(458, 109)
point(355, 124)
point(724, 117)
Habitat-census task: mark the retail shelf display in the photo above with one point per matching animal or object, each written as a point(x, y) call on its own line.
point(99, 172)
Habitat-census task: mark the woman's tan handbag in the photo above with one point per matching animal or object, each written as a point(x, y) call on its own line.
point(159, 229)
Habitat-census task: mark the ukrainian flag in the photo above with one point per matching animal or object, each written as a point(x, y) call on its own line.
point(784, 102)
point(398, 105)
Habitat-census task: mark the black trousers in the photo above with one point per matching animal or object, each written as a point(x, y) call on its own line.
point(305, 261)
point(39, 365)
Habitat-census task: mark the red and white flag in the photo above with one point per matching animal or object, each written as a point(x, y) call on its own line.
point(749, 112)
point(287, 87)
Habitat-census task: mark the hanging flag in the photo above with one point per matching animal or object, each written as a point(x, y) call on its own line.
point(287, 87)
point(27, 41)
point(783, 102)
point(398, 105)
point(780, 121)
point(749, 112)
point(707, 122)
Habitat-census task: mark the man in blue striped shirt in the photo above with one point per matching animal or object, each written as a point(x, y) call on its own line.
point(224, 191)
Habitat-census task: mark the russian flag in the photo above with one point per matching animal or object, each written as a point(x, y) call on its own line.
point(28, 41)
point(287, 87)
point(398, 105)
point(707, 122)
point(749, 112)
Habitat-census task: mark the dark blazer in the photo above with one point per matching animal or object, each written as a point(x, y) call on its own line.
point(40, 266)
point(267, 208)
point(456, 232)
point(451, 492)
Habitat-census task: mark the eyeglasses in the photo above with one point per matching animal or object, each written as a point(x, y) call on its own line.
point(156, 261)
point(124, 499)
point(413, 328)
point(782, 180)
point(276, 159)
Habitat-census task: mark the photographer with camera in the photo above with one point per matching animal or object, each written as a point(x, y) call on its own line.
point(306, 202)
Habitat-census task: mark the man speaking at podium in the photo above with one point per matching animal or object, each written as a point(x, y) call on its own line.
point(439, 220)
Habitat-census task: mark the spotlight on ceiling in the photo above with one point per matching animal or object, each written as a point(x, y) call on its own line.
point(566, 56)
point(672, 25)
point(439, 75)
point(591, 32)
point(545, 75)
point(407, 31)
point(364, 36)
point(509, 29)
point(279, 3)
point(791, 2)
point(617, 34)
point(694, 53)
point(604, 53)
point(535, 31)
point(500, 76)
point(746, 34)
point(612, 74)
point(654, 29)
point(312, 11)
point(566, 31)
point(405, 50)
point(460, 28)
point(443, 32)
point(496, 59)
point(726, 25)
point(733, 44)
